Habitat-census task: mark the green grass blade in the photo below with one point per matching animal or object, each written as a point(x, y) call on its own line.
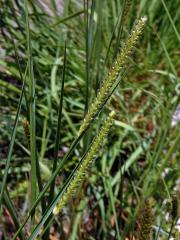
point(167, 55)
point(8, 203)
point(175, 147)
point(112, 200)
point(64, 160)
point(89, 24)
point(59, 168)
point(86, 20)
point(68, 18)
point(9, 87)
point(57, 140)
point(56, 200)
point(120, 28)
point(130, 161)
point(11, 145)
point(111, 40)
point(32, 113)
point(63, 189)
point(171, 20)
point(98, 45)
point(77, 220)
point(58, 133)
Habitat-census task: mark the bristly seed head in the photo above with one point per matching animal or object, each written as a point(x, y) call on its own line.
point(111, 77)
point(85, 165)
point(26, 128)
point(146, 219)
point(175, 205)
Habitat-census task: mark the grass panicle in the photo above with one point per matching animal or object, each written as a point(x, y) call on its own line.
point(25, 125)
point(113, 74)
point(175, 206)
point(126, 11)
point(86, 164)
point(146, 220)
point(174, 211)
point(144, 147)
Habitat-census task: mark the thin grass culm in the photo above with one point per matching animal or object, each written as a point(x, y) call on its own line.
point(113, 74)
point(86, 164)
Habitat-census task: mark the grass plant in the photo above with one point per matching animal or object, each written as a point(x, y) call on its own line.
point(64, 66)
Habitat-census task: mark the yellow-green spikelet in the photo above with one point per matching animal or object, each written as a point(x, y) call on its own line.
point(113, 74)
point(86, 164)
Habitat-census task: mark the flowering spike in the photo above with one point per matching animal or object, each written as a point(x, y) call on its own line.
point(175, 206)
point(86, 164)
point(128, 4)
point(146, 221)
point(25, 125)
point(118, 65)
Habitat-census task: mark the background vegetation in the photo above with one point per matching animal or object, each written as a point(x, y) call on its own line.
point(140, 160)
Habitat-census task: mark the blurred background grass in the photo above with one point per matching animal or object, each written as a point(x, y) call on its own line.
point(135, 163)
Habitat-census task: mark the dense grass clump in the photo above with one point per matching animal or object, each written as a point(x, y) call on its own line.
point(65, 66)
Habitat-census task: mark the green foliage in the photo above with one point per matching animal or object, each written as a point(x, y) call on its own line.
point(55, 86)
